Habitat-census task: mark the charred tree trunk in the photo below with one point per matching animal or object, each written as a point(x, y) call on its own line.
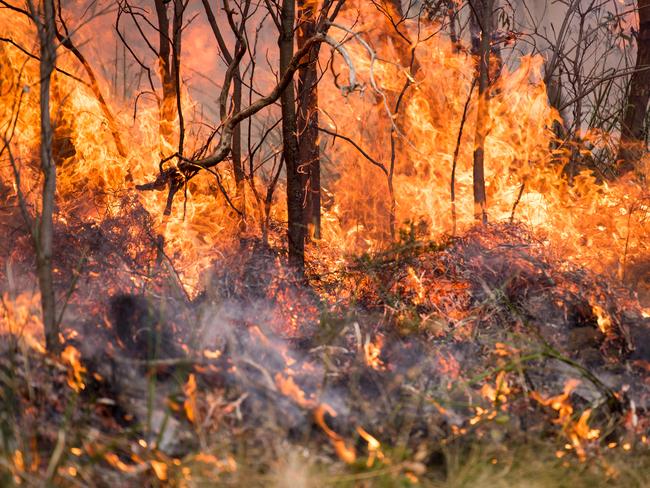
point(177, 28)
point(307, 123)
point(43, 233)
point(632, 144)
point(295, 193)
point(165, 70)
point(482, 11)
point(452, 14)
point(236, 152)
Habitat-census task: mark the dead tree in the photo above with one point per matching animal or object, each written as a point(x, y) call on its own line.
point(632, 145)
point(307, 122)
point(43, 16)
point(482, 11)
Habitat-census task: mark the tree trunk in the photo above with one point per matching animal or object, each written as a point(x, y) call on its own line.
point(482, 10)
point(307, 123)
point(44, 233)
point(168, 101)
point(238, 168)
point(295, 193)
point(632, 144)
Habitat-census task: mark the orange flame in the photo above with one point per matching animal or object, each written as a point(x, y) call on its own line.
point(577, 431)
point(346, 453)
point(372, 353)
point(189, 389)
point(76, 370)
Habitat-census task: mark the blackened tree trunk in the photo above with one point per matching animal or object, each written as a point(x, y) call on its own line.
point(482, 11)
point(237, 166)
point(633, 129)
point(165, 69)
point(307, 123)
point(43, 235)
point(295, 193)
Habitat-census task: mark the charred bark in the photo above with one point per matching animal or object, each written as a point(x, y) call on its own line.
point(307, 123)
point(633, 128)
point(165, 70)
point(482, 11)
point(236, 154)
point(295, 190)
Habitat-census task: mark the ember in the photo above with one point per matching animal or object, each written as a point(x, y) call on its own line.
point(247, 240)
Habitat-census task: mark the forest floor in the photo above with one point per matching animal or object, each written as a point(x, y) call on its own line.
point(480, 361)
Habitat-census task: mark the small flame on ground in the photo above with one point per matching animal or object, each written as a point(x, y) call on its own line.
point(578, 432)
point(374, 447)
point(289, 388)
point(372, 353)
point(345, 453)
point(602, 318)
point(76, 370)
point(189, 389)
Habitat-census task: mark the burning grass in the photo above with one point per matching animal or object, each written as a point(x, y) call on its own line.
point(483, 359)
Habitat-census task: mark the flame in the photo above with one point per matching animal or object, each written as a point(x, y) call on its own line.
point(577, 431)
point(189, 389)
point(160, 469)
point(595, 223)
point(589, 222)
point(20, 317)
point(290, 388)
point(372, 353)
point(374, 447)
point(599, 224)
point(499, 393)
point(76, 370)
point(346, 453)
point(116, 462)
point(216, 354)
point(602, 318)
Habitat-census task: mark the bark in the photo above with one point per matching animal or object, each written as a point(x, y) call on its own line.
point(236, 154)
point(307, 123)
point(295, 193)
point(476, 32)
point(633, 129)
point(45, 230)
point(165, 70)
point(452, 14)
point(179, 9)
point(482, 10)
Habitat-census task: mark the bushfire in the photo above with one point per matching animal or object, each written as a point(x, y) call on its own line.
point(330, 241)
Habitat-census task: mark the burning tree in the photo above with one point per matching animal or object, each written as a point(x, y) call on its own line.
point(262, 228)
